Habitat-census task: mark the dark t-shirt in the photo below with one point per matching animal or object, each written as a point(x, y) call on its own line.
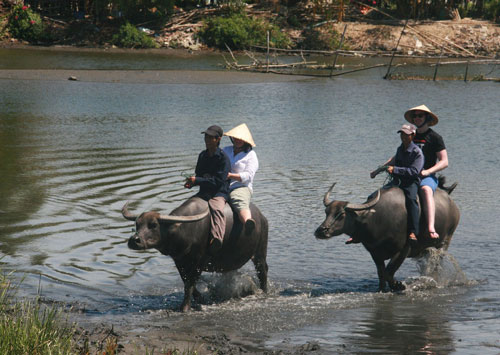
point(211, 174)
point(431, 143)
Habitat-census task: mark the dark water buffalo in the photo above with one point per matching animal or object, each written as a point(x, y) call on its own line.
point(380, 225)
point(184, 235)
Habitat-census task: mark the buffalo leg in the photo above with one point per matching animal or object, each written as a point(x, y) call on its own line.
point(259, 259)
point(261, 268)
point(189, 278)
point(381, 273)
point(394, 265)
point(188, 293)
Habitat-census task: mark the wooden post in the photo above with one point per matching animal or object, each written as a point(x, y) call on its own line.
point(466, 71)
point(337, 53)
point(267, 56)
point(394, 51)
point(437, 65)
point(340, 16)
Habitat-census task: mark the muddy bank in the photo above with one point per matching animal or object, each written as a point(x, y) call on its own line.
point(167, 331)
point(145, 76)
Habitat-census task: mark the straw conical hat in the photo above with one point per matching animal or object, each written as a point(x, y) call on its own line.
point(421, 108)
point(241, 132)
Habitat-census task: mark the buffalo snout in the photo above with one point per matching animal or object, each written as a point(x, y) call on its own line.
point(135, 243)
point(321, 232)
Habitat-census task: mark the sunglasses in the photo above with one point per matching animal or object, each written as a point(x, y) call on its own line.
point(415, 115)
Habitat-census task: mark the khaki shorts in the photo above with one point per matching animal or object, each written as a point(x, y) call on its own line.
point(240, 198)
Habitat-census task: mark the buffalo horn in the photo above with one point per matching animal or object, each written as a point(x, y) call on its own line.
point(364, 206)
point(127, 214)
point(326, 198)
point(183, 219)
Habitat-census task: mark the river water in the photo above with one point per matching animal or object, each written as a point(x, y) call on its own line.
point(73, 152)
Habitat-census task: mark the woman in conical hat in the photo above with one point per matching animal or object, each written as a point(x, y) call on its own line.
point(244, 165)
point(435, 159)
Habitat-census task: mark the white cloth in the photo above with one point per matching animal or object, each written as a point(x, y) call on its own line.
point(245, 164)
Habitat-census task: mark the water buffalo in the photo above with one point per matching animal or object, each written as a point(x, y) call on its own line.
point(184, 235)
point(380, 225)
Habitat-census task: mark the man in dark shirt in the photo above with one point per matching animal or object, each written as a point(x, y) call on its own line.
point(436, 159)
point(211, 173)
point(405, 168)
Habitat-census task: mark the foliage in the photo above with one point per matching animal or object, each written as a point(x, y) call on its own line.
point(239, 31)
point(492, 10)
point(466, 9)
point(314, 39)
point(143, 10)
point(130, 37)
point(25, 24)
point(29, 328)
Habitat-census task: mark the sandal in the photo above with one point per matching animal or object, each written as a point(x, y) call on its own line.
point(433, 235)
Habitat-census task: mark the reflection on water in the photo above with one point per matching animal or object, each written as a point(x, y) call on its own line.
point(73, 153)
point(21, 193)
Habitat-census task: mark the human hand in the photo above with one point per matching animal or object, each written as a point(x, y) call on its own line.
point(424, 173)
point(189, 183)
point(390, 169)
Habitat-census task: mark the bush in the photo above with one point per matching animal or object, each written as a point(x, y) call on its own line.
point(314, 39)
point(467, 9)
point(492, 10)
point(131, 37)
point(239, 31)
point(25, 24)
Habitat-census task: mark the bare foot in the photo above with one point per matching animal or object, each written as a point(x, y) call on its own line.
point(434, 235)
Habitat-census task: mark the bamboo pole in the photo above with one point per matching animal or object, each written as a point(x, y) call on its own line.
point(437, 65)
point(321, 75)
point(394, 51)
point(466, 71)
point(267, 55)
point(337, 53)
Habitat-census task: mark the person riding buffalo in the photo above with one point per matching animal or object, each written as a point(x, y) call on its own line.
point(405, 168)
point(211, 173)
point(244, 165)
point(435, 159)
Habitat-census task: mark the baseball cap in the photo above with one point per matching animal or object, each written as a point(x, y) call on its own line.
point(408, 129)
point(214, 131)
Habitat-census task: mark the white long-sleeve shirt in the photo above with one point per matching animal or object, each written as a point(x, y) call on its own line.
point(245, 164)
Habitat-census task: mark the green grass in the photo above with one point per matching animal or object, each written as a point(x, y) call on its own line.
point(28, 327)
point(31, 327)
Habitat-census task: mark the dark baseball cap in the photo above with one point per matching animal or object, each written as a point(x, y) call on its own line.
point(214, 131)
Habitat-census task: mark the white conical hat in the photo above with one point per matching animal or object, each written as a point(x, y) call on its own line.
point(421, 108)
point(241, 132)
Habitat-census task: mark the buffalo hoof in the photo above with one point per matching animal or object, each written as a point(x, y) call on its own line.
point(398, 286)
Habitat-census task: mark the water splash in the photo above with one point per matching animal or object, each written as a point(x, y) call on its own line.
point(229, 285)
point(440, 269)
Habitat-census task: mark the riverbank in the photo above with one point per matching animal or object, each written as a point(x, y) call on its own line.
point(471, 38)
